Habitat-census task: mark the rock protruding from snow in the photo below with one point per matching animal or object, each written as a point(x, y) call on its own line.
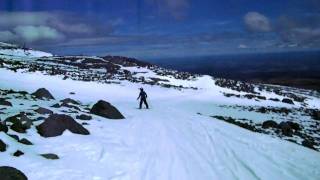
point(105, 109)
point(4, 102)
point(42, 93)
point(269, 124)
point(56, 124)
point(288, 101)
point(10, 173)
point(3, 128)
point(3, 146)
point(50, 156)
point(84, 117)
point(43, 111)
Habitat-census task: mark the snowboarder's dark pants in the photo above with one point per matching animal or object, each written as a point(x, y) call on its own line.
point(143, 100)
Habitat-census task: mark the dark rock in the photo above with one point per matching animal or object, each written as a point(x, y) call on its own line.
point(308, 144)
point(50, 156)
point(56, 124)
point(14, 137)
point(43, 111)
point(315, 114)
point(84, 117)
point(57, 105)
point(71, 101)
point(10, 173)
point(3, 146)
point(84, 123)
point(25, 141)
point(294, 125)
point(288, 101)
point(18, 127)
point(4, 102)
point(285, 128)
point(18, 153)
point(105, 109)
point(269, 124)
point(274, 99)
point(72, 93)
point(42, 93)
point(3, 127)
point(70, 106)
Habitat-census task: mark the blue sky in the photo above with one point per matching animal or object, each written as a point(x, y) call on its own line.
point(161, 28)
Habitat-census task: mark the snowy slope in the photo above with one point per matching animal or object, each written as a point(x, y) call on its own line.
point(9, 50)
point(176, 139)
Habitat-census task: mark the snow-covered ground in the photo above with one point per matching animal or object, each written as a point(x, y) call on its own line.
point(169, 141)
point(175, 139)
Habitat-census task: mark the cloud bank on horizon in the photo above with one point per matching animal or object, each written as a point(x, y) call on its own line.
point(161, 28)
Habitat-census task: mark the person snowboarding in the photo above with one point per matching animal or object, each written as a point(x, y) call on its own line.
point(143, 98)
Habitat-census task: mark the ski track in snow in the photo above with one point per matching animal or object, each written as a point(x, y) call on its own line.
point(168, 142)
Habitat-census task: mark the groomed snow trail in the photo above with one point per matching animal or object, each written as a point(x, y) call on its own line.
point(168, 142)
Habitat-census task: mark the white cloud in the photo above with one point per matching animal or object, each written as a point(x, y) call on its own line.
point(257, 22)
point(36, 33)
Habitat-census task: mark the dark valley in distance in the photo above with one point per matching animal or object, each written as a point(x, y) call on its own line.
point(298, 69)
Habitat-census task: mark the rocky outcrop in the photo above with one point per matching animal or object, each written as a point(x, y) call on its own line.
point(105, 109)
point(42, 93)
point(56, 124)
point(3, 128)
point(10, 173)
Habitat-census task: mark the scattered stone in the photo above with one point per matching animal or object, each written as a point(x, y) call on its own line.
point(56, 124)
point(50, 156)
point(4, 102)
point(18, 153)
point(84, 123)
point(25, 141)
point(3, 127)
point(43, 111)
point(3, 146)
point(57, 105)
point(105, 109)
point(269, 124)
point(72, 93)
point(274, 99)
point(285, 129)
point(14, 137)
point(71, 101)
point(84, 117)
point(288, 101)
point(294, 125)
point(42, 93)
point(10, 173)
point(308, 144)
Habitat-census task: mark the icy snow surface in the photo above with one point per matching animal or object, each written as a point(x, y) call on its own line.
point(169, 141)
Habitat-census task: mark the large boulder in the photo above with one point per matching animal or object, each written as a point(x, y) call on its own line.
point(3, 146)
point(42, 93)
point(288, 101)
point(269, 124)
point(56, 124)
point(105, 109)
point(10, 173)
